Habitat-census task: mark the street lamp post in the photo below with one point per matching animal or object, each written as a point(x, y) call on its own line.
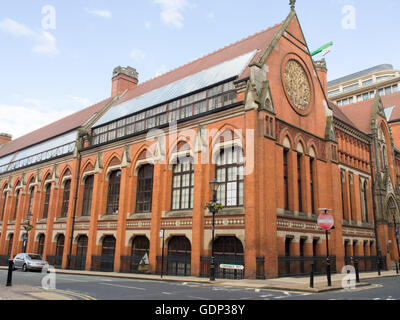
point(214, 208)
point(27, 229)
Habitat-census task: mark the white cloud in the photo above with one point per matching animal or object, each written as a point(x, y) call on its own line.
point(45, 42)
point(100, 13)
point(81, 102)
point(137, 55)
point(29, 114)
point(20, 120)
point(147, 25)
point(211, 15)
point(14, 28)
point(171, 11)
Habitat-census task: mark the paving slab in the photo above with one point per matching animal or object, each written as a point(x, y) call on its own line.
point(29, 293)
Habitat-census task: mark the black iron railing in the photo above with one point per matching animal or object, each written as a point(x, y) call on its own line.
point(175, 265)
point(77, 262)
point(301, 266)
point(55, 261)
point(102, 263)
point(365, 264)
point(4, 260)
point(223, 273)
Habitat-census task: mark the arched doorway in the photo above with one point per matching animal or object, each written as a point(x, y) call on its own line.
point(179, 256)
point(59, 252)
point(140, 255)
point(41, 244)
point(228, 251)
point(81, 251)
point(107, 254)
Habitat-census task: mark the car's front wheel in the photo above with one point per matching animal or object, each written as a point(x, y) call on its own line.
point(25, 268)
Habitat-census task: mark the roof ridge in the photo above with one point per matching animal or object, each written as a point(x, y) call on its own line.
point(210, 54)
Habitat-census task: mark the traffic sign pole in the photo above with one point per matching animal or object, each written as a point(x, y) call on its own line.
point(326, 222)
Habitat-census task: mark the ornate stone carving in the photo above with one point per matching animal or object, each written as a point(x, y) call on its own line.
point(297, 85)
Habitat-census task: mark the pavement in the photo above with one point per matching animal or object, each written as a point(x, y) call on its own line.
point(294, 284)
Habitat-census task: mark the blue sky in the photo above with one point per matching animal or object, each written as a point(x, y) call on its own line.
point(53, 65)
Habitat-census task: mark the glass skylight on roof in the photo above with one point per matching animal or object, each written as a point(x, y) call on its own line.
point(388, 112)
point(49, 149)
point(219, 73)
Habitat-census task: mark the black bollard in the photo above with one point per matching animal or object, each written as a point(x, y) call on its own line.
point(357, 273)
point(397, 268)
point(10, 270)
point(328, 271)
point(312, 276)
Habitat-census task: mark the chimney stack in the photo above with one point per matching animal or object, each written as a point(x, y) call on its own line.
point(322, 71)
point(5, 138)
point(123, 78)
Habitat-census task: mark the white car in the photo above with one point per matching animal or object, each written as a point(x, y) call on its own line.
point(29, 261)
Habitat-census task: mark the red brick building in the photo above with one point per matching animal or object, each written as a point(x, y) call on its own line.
point(102, 183)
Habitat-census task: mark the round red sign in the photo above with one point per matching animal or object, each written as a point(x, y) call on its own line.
point(326, 221)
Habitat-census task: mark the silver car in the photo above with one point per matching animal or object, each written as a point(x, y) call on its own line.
point(29, 261)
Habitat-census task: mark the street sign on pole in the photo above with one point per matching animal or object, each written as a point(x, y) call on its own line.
point(326, 221)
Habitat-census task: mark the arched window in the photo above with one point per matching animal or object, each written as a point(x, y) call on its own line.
point(183, 184)
point(286, 179)
point(59, 250)
point(46, 201)
point(87, 196)
point(4, 200)
point(364, 203)
point(113, 192)
point(351, 195)
point(10, 244)
point(343, 192)
point(230, 175)
point(228, 246)
point(144, 194)
point(365, 187)
point(31, 197)
point(65, 201)
point(41, 244)
point(16, 205)
point(299, 188)
point(312, 190)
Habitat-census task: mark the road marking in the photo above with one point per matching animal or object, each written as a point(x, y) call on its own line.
point(121, 286)
point(68, 279)
point(198, 298)
point(168, 293)
point(74, 294)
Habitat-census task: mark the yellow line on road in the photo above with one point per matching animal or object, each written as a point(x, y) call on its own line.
point(74, 294)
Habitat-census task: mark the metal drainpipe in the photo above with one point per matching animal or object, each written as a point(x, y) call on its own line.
point(378, 251)
point(74, 215)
